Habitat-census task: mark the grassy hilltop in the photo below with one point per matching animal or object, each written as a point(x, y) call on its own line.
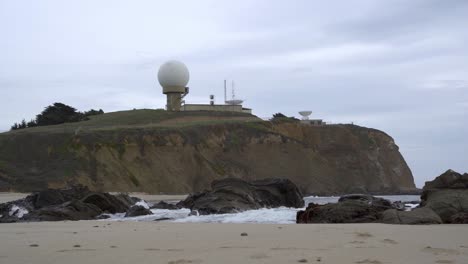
point(143, 118)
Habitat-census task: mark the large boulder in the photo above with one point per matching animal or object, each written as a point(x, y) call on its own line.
point(72, 210)
point(418, 216)
point(232, 195)
point(109, 203)
point(447, 195)
point(368, 199)
point(75, 203)
point(137, 210)
point(349, 209)
point(448, 180)
point(57, 196)
point(165, 205)
point(446, 203)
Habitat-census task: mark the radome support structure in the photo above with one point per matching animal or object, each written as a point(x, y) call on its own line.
point(174, 77)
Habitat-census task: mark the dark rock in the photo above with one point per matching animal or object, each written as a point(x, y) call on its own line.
point(189, 202)
point(103, 216)
point(369, 199)
point(447, 195)
point(55, 197)
point(419, 216)
point(232, 195)
point(163, 219)
point(448, 180)
point(194, 213)
point(349, 209)
point(165, 205)
point(137, 210)
point(446, 202)
point(73, 210)
point(75, 203)
point(459, 218)
point(109, 203)
point(344, 212)
point(399, 205)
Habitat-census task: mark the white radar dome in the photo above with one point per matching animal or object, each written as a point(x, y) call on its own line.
point(173, 74)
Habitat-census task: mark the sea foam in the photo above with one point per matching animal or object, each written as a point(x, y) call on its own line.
point(281, 215)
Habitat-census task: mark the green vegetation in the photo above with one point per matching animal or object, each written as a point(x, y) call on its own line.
point(57, 113)
point(280, 118)
point(144, 119)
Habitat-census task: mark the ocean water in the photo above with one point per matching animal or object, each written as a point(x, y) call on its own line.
point(281, 215)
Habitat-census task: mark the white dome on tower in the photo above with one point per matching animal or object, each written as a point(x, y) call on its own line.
point(173, 74)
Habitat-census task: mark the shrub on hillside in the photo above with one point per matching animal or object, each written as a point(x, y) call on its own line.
point(55, 114)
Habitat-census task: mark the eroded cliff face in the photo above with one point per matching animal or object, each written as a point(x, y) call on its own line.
point(321, 160)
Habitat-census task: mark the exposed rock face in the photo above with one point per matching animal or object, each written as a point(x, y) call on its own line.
point(349, 209)
point(321, 160)
point(165, 205)
point(447, 195)
point(107, 203)
point(73, 210)
point(418, 216)
point(76, 203)
point(235, 195)
point(137, 210)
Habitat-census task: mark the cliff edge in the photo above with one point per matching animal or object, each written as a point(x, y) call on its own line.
point(161, 152)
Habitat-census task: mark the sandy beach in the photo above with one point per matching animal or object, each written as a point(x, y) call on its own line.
point(151, 242)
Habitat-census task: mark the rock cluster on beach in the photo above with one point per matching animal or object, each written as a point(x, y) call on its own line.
point(75, 203)
point(447, 195)
point(233, 195)
point(444, 200)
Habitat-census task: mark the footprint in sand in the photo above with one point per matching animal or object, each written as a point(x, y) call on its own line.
point(259, 256)
point(363, 234)
point(184, 261)
point(288, 248)
point(441, 251)
point(234, 247)
point(176, 249)
point(76, 250)
point(151, 249)
point(368, 261)
point(389, 241)
point(356, 242)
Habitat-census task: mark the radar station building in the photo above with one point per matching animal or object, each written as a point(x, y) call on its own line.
point(312, 122)
point(174, 76)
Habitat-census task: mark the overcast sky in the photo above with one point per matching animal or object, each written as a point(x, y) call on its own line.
point(398, 66)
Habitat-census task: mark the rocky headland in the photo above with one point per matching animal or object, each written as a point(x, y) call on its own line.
point(155, 151)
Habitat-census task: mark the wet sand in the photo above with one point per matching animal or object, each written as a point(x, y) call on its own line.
point(156, 242)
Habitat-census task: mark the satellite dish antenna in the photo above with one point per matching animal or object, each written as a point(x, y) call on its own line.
point(305, 114)
point(233, 101)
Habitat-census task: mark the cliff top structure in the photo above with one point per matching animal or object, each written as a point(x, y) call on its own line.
point(174, 76)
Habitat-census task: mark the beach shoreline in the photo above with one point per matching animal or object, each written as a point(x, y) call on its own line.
point(155, 242)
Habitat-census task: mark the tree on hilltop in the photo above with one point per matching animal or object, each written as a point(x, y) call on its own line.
point(55, 114)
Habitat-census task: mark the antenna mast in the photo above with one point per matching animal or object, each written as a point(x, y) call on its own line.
point(225, 96)
point(233, 95)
